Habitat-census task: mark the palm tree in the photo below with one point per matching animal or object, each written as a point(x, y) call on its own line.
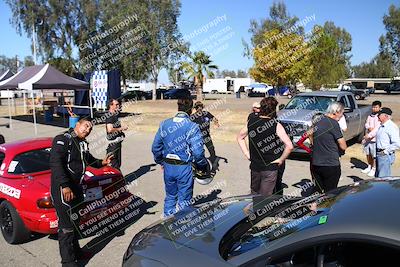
point(200, 63)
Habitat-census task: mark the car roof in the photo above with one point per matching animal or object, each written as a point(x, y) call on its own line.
point(323, 93)
point(24, 145)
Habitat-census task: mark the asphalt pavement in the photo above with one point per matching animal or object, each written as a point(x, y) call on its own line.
point(146, 182)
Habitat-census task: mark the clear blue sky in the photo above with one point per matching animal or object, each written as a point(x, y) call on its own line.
point(361, 18)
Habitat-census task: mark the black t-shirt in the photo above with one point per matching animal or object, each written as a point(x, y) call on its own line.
point(253, 114)
point(326, 151)
point(113, 119)
point(264, 144)
point(203, 119)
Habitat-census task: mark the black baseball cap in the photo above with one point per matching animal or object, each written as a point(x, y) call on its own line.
point(387, 111)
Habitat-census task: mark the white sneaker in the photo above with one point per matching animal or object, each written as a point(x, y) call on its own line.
point(367, 170)
point(371, 173)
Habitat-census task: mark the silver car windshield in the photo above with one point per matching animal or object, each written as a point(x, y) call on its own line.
point(319, 103)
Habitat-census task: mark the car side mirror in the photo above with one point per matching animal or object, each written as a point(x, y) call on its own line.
point(281, 106)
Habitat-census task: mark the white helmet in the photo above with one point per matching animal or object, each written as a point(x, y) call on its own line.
point(203, 177)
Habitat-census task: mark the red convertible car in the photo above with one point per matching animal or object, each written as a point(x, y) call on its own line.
point(25, 202)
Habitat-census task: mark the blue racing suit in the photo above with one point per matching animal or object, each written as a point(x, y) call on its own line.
point(178, 143)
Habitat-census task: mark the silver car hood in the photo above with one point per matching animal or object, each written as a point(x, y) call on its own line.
point(302, 116)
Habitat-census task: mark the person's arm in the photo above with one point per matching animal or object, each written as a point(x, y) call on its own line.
point(367, 123)
point(301, 144)
point(111, 129)
point(342, 143)
point(158, 146)
point(394, 140)
point(97, 163)
point(214, 120)
point(242, 142)
point(280, 131)
point(196, 146)
point(58, 161)
point(374, 131)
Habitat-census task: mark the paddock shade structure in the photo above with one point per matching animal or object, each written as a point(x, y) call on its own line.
point(42, 77)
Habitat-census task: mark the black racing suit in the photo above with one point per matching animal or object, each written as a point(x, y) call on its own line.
point(68, 160)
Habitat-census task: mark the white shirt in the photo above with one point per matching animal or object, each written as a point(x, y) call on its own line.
point(343, 123)
point(388, 137)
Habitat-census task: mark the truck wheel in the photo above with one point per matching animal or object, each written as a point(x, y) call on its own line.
point(388, 92)
point(12, 227)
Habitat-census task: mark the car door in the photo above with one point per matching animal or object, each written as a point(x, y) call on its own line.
point(353, 118)
point(347, 114)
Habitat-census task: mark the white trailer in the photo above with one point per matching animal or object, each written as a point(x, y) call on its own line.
point(241, 83)
point(215, 86)
point(140, 86)
point(225, 85)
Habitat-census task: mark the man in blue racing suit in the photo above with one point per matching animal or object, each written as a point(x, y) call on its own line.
point(177, 145)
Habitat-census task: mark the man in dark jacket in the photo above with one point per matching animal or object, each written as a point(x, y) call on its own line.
point(68, 160)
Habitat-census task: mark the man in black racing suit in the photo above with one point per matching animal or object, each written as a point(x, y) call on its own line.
point(68, 160)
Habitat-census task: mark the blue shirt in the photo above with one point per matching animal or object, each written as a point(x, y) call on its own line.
point(388, 137)
point(179, 138)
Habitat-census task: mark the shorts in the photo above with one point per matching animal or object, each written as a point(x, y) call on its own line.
point(370, 149)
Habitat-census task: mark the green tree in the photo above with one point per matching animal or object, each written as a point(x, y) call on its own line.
point(279, 19)
point(199, 65)
point(12, 63)
point(28, 61)
point(281, 62)
point(63, 65)
point(163, 36)
point(391, 40)
point(228, 73)
point(329, 59)
point(379, 67)
point(242, 74)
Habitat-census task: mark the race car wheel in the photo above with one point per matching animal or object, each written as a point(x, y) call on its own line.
point(12, 227)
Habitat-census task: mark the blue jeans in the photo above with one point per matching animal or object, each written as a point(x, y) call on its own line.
point(383, 164)
point(178, 181)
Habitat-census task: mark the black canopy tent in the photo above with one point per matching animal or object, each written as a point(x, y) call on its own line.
point(5, 74)
point(42, 77)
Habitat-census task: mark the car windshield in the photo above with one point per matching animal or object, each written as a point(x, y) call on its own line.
point(260, 229)
point(319, 103)
point(30, 162)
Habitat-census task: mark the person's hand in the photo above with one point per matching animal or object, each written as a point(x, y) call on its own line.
point(68, 195)
point(124, 128)
point(107, 160)
point(278, 161)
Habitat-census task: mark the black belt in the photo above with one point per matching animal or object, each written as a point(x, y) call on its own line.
point(381, 150)
point(175, 162)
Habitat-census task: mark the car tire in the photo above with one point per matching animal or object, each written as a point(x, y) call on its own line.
point(142, 98)
point(12, 226)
